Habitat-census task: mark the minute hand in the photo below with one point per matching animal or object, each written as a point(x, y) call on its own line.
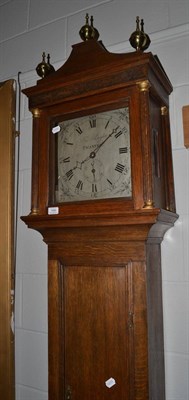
point(101, 144)
point(93, 153)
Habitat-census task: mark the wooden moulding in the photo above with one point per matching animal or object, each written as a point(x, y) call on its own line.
point(185, 117)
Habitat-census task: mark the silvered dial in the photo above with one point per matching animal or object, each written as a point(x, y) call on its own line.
point(93, 154)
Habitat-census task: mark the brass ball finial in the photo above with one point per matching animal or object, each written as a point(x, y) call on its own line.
point(44, 68)
point(87, 31)
point(139, 39)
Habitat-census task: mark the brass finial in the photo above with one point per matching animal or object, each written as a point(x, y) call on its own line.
point(139, 39)
point(51, 68)
point(96, 33)
point(87, 31)
point(44, 68)
point(147, 40)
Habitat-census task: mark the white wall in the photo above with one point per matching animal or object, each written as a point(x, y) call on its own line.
point(28, 27)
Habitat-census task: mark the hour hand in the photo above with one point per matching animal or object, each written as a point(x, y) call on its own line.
point(79, 164)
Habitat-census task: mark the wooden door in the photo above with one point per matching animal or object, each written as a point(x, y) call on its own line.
point(96, 329)
point(7, 135)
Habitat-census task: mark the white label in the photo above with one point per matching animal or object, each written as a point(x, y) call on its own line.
point(53, 210)
point(56, 129)
point(110, 382)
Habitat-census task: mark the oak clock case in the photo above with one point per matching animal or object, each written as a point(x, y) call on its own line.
point(102, 199)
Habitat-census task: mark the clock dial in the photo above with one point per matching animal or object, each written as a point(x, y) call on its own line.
point(93, 157)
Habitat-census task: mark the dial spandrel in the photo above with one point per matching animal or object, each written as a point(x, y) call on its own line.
point(93, 157)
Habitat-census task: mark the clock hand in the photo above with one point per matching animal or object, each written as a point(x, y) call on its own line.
point(93, 153)
point(93, 171)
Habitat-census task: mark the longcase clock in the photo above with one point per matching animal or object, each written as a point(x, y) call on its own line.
point(102, 199)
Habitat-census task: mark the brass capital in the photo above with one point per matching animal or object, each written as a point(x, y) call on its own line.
point(144, 86)
point(164, 110)
point(36, 112)
point(34, 211)
point(149, 204)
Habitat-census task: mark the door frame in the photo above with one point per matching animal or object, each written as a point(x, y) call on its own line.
point(7, 142)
